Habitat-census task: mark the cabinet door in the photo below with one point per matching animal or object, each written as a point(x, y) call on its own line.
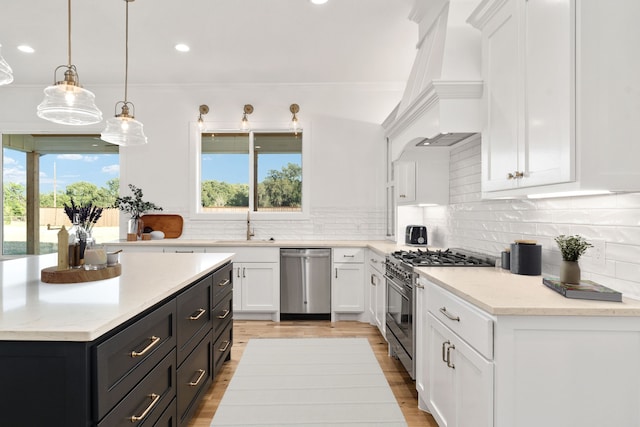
point(459, 380)
point(549, 55)
point(347, 290)
point(500, 63)
point(260, 287)
point(440, 376)
point(406, 181)
point(237, 287)
point(374, 281)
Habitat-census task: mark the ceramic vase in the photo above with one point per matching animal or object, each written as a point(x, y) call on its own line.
point(570, 272)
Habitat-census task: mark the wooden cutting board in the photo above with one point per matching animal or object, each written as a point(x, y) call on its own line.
point(170, 225)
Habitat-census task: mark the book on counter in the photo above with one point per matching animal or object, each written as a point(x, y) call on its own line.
point(586, 289)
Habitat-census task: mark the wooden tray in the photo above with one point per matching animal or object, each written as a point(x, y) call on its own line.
point(170, 225)
point(78, 275)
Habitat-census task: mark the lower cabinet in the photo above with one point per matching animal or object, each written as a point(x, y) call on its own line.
point(460, 385)
point(257, 287)
point(377, 291)
point(347, 292)
point(151, 371)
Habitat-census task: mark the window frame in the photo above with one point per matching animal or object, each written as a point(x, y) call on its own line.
point(195, 162)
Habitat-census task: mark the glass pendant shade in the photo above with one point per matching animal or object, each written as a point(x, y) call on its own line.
point(124, 130)
point(6, 74)
point(68, 104)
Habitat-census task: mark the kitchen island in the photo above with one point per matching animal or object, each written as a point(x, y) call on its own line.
point(113, 351)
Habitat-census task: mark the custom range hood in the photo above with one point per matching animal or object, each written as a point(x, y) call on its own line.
point(442, 102)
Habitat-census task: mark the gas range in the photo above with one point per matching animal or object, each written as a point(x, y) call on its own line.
point(443, 258)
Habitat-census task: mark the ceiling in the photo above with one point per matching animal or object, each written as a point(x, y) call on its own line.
point(232, 41)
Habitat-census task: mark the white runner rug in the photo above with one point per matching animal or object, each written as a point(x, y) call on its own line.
point(308, 382)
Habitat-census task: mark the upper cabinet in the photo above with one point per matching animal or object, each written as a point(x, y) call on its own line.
point(561, 91)
point(422, 177)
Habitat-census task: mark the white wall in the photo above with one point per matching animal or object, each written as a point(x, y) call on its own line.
point(490, 226)
point(347, 144)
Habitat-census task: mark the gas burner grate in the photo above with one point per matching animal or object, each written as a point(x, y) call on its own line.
point(443, 258)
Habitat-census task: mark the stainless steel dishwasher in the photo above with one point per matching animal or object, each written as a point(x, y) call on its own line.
point(305, 283)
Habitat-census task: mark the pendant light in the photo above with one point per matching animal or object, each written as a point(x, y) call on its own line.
point(124, 129)
point(6, 74)
point(295, 109)
point(66, 102)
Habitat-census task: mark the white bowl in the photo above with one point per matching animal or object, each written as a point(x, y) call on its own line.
point(157, 235)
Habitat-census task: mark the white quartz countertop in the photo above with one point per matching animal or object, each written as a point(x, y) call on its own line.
point(499, 292)
point(382, 246)
point(36, 311)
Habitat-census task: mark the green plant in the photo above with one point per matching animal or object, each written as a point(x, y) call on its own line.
point(572, 247)
point(134, 205)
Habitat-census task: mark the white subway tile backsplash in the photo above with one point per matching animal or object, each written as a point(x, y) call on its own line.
point(491, 225)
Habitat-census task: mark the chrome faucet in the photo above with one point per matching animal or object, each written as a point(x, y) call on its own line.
point(250, 233)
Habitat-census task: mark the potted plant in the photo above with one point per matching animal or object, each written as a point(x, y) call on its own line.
point(136, 207)
point(571, 248)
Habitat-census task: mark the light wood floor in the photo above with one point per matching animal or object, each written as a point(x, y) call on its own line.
point(401, 384)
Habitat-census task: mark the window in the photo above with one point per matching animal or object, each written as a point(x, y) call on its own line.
point(41, 174)
point(258, 170)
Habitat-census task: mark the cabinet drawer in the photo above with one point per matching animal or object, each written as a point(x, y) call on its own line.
point(124, 359)
point(470, 323)
point(222, 348)
point(222, 314)
point(148, 399)
point(348, 254)
point(194, 316)
point(169, 417)
point(376, 261)
point(193, 378)
point(222, 282)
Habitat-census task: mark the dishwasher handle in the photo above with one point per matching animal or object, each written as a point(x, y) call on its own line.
point(305, 255)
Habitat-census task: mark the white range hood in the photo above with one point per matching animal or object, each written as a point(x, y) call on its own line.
point(442, 103)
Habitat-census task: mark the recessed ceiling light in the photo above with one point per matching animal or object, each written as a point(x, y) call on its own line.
point(26, 49)
point(319, 1)
point(180, 47)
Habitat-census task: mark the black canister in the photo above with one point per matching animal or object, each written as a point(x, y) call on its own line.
point(505, 259)
point(526, 259)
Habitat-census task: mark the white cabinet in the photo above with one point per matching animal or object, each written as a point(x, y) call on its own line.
point(256, 281)
point(552, 124)
point(421, 176)
point(255, 287)
point(184, 249)
point(454, 366)
point(460, 380)
point(377, 291)
point(347, 290)
point(405, 181)
point(528, 59)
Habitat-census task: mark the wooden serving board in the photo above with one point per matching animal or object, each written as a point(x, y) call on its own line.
point(78, 275)
point(170, 225)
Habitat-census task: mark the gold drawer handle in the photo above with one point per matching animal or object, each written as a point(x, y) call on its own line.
point(226, 346)
point(196, 382)
point(226, 313)
point(154, 340)
point(201, 311)
point(444, 311)
point(155, 398)
point(224, 283)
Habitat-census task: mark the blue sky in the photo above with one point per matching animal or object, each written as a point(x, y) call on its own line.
point(98, 169)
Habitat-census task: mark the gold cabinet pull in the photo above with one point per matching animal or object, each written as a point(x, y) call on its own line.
point(226, 346)
point(201, 311)
point(224, 283)
point(154, 341)
point(154, 399)
point(196, 382)
point(226, 313)
point(444, 311)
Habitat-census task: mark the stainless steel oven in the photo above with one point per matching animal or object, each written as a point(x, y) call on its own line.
point(400, 282)
point(400, 311)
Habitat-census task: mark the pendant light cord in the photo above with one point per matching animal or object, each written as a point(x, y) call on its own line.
point(69, 32)
point(126, 51)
